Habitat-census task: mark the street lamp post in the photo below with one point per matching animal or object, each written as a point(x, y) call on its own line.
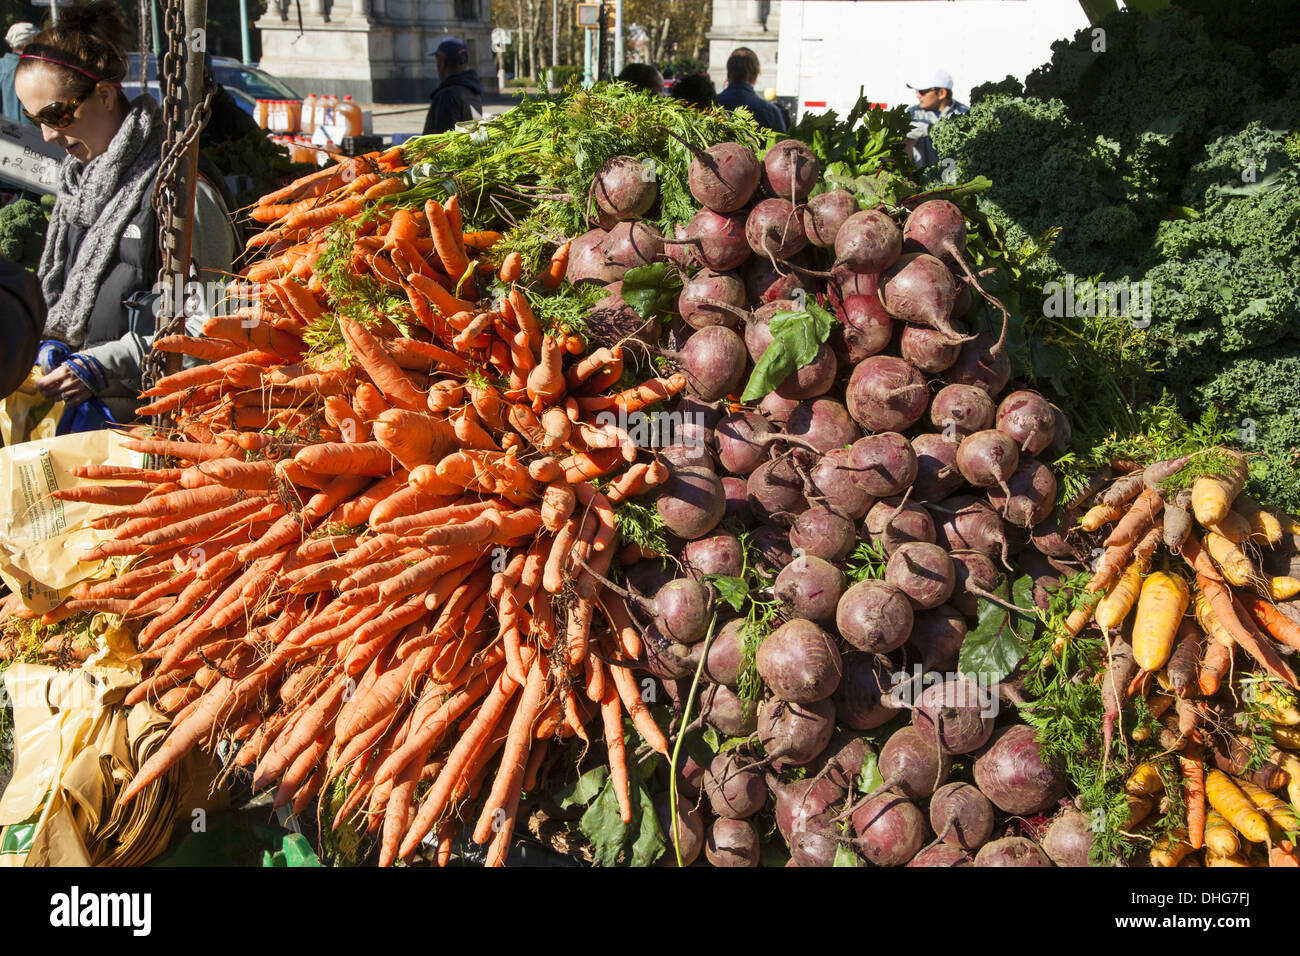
point(618, 37)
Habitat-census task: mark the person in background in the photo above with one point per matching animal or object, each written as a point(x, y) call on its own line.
point(20, 331)
point(100, 250)
point(459, 96)
point(643, 76)
point(742, 74)
point(17, 37)
point(934, 102)
point(696, 89)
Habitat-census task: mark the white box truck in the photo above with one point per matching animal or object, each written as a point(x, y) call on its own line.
point(829, 49)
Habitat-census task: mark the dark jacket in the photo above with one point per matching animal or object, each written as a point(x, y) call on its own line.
point(458, 98)
point(134, 270)
point(765, 113)
point(20, 331)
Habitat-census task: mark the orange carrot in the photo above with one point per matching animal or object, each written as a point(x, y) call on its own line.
point(1215, 663)
point(388, 187)
point(381, 368)
point(612, 716)
point(421, 356)
point(546, 382)
point(451, 253)
point(527, 319)
point(1243, 632)
point(555, 270)
point(584, 466)
point(1194, 793)
point(439, 297)
point(636, 398)
point(499, 807)
point(414, 438)
point(104, 494)
point(341, 458)
point(512, 267)
point(482, 240)
point(457, 763)
point(1280, 627)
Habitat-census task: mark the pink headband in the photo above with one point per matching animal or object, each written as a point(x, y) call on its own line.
point(97, 79)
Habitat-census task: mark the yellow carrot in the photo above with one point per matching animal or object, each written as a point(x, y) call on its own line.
point(1276, 707)
point(1099, 515)
point(1144, 781)
point(1212, 498)
point(1112, 609)
point(1270, 805)
point(1282, 587)
point(1220, 837)
point(1161, 606)
point(1234, 527)
point(1214, 859)
point(1236, 567)
point(1170, 850)
point(1288, 737)
point(1291, 764)
point(1227, 798)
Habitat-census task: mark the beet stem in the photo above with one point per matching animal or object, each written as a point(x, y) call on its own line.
point(742, 314)
point(804, 270)
point(998, 346)
point(978, 591)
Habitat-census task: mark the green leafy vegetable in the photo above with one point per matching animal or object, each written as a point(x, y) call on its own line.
point(731, 589)
point(870, 779)
point(846, 856)
point(652, 289)
point(999, 641)
point(796, 337)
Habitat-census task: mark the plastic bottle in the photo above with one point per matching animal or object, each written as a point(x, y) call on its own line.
point(295, 115)
point(331, 110)
point(260, 113)
point(309, 114)
point(349, 115)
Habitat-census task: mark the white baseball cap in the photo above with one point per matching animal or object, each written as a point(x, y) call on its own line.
point(931, 79)
point(20, 34)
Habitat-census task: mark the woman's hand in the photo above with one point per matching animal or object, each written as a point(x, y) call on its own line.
point(63, 385)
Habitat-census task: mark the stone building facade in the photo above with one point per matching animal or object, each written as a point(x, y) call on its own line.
point(377, 51)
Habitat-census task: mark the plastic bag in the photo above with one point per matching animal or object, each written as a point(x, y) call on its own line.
point(27, 415)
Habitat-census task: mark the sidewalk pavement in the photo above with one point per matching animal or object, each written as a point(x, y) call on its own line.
point(408, 118)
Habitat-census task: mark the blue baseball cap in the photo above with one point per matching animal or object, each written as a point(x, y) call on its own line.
point(453, 48)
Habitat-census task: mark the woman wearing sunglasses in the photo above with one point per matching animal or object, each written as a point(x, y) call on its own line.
point(100, 249)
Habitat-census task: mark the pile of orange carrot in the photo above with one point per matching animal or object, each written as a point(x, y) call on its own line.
point(383, 568)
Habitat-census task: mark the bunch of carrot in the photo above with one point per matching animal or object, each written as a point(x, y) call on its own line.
point(385, 569)
point(1181, 650)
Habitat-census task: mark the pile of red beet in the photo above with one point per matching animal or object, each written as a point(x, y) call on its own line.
point(904, 431)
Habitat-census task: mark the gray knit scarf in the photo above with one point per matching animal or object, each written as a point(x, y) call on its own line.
point(100, 197)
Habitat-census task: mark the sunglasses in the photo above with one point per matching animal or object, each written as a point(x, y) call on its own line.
point(59, 115)
point(927, 92)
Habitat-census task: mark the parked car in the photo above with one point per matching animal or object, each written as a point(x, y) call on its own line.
point(247, 84)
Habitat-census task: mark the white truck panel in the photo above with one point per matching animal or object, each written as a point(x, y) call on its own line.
point(830, 48)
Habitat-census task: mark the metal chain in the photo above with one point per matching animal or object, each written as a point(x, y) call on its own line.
point(177, 140)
